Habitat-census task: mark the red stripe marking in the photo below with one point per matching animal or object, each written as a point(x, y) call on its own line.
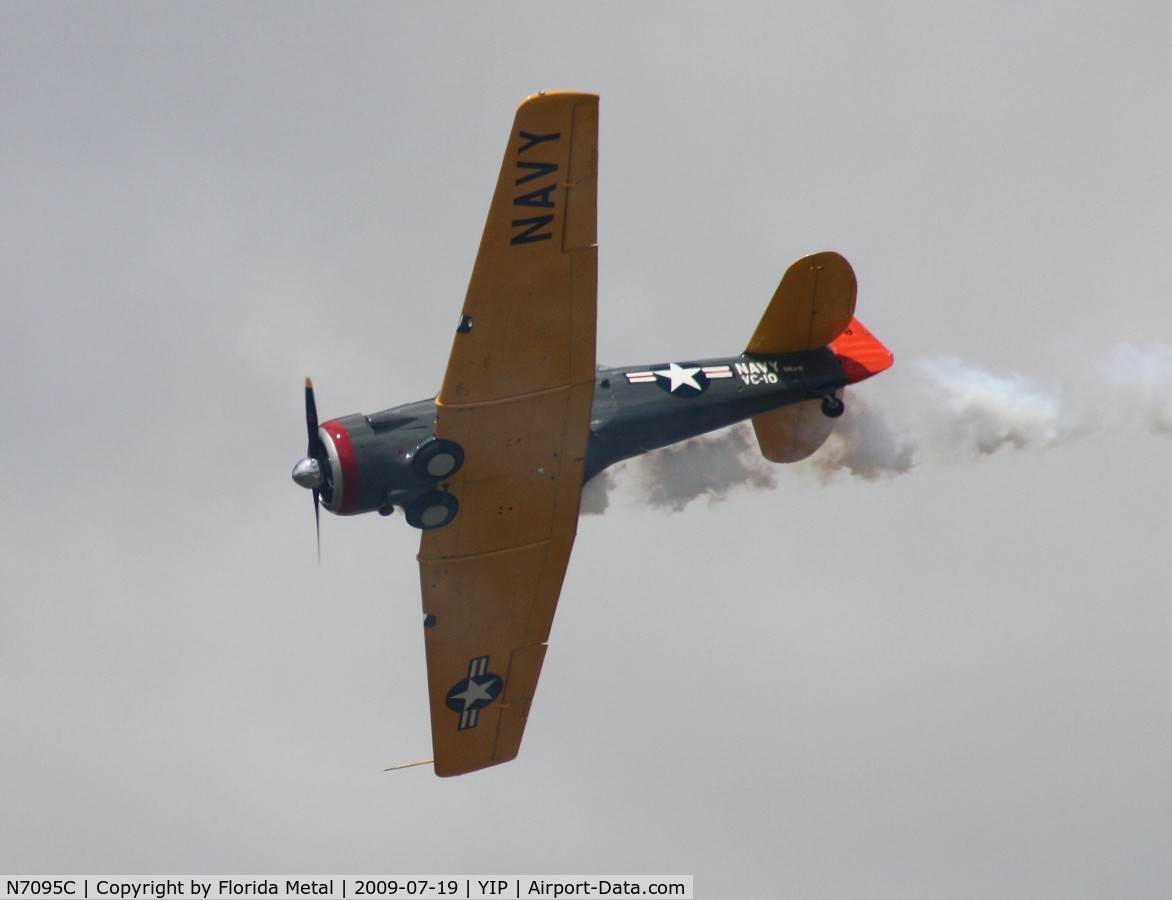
point(348, 463)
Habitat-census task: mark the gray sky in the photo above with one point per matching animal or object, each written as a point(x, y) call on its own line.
point(951, 682)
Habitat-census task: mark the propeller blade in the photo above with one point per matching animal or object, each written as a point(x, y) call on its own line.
point(317, 522)
point(311, 420)
point(316, 451)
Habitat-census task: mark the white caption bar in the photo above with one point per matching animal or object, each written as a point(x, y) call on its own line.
point(349, 887)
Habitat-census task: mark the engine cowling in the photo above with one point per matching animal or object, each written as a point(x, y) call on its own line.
point(372, 463)
point(361, 465)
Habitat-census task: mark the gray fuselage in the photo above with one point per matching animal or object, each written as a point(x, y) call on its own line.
point(635, 410)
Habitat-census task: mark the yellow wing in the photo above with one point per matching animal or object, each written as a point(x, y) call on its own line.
point(516, 396)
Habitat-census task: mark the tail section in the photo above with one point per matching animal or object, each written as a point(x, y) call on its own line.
point(813, 307)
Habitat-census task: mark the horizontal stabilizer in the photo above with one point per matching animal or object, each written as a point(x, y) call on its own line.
point(791, 433)
point(812, 305)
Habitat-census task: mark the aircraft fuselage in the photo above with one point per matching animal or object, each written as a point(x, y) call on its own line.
point(384, 459)
point(637, 410)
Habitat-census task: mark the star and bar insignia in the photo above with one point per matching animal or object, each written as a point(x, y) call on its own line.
point(470, 695)
point(685, 380)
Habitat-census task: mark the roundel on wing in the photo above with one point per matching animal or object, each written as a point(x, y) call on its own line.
point(474, 692)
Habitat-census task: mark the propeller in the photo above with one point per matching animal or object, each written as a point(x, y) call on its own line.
point(309, 472)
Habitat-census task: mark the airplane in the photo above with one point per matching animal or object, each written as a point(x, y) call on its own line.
point(491, 470)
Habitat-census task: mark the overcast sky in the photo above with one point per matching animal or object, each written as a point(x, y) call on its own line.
point(950, 678)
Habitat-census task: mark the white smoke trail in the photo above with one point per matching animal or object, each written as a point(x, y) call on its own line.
point(971, 413)
point(596, 493)
point(959, 413)
point(711, 466)
point(1135, 388)
point(866, 444)
point(956, 414)
point(953, 414)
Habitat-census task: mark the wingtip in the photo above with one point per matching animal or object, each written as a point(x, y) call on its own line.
point(568, 96)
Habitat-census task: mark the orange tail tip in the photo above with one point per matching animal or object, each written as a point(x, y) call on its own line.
point(860, 353)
